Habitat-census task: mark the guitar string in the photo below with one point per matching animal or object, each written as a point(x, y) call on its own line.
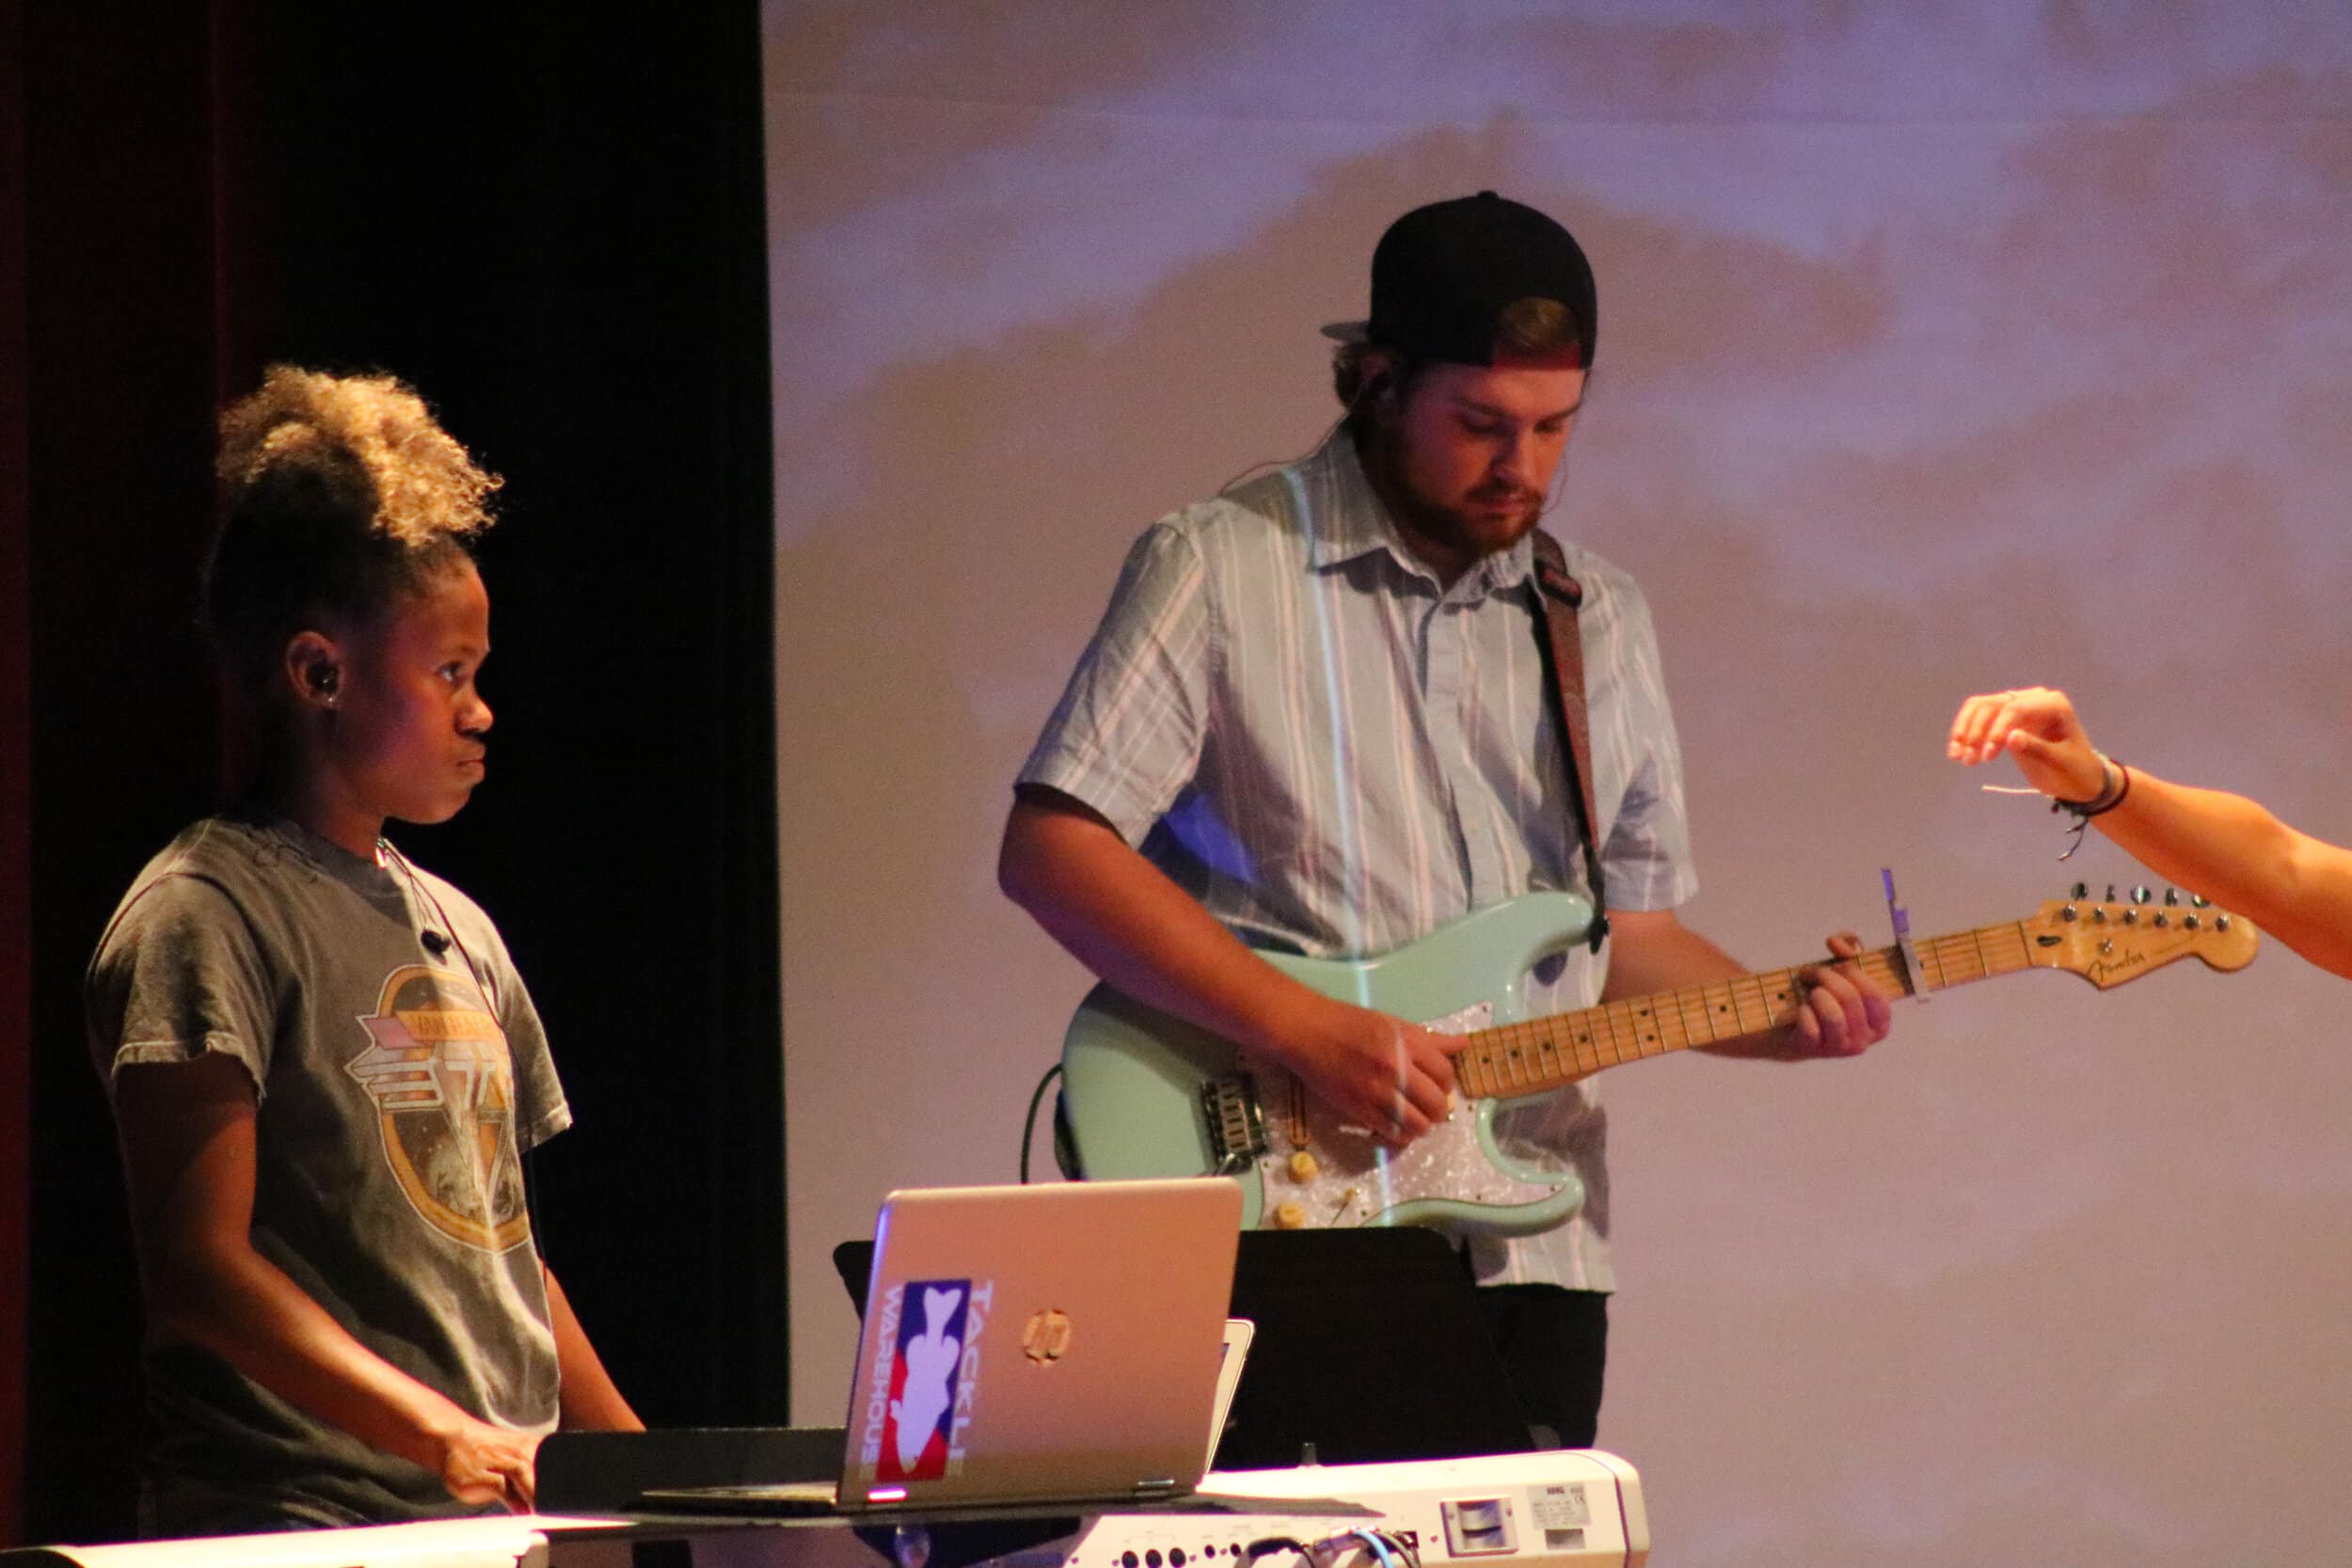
point(1614, 1032)
point(1535, 1054)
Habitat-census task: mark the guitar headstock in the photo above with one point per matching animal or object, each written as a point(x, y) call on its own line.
point(2113, 939)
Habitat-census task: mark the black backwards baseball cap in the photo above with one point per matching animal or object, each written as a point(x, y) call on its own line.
point(1443, 273)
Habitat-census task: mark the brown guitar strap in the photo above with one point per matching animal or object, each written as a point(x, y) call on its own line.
point(1558, 594)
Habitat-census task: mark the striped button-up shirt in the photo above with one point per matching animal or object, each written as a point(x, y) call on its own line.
point(1336, 753)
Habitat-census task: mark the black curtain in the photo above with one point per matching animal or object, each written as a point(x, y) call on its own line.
point(550, 219)
point(16, 781)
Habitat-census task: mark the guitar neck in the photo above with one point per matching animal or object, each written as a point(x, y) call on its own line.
point(1543, 1053)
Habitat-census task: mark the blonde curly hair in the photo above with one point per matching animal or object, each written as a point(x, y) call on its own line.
point(339, 493)
point(426, 486)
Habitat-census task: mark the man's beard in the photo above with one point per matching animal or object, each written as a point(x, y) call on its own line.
point(1466, 524)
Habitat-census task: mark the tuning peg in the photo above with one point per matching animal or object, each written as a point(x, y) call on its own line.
point(2141, 896)
point(2079, 891)
point(2110, 897)
point(2198, 901)
point(2171, 897)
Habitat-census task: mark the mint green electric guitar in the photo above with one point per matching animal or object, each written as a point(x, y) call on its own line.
point(1150, 1095)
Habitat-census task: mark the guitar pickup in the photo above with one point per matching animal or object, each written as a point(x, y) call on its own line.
point(1236, 1127)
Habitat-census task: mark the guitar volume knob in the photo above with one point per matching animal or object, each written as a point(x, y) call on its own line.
point(1289, 1216)
point(1304, 1166)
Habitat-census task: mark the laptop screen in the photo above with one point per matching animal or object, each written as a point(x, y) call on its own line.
point(1369, 1348)
point(1039, 1343)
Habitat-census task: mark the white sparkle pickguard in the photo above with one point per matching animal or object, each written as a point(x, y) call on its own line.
point(1356, 1178)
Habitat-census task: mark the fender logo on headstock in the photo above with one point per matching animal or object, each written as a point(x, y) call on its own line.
point(2104, 970)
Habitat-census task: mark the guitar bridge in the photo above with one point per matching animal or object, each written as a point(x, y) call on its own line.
point(1236, 1127)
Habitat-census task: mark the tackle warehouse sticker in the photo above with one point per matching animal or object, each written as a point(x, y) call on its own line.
point(925, 1383)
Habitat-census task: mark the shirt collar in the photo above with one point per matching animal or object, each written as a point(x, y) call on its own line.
point(1345, 519)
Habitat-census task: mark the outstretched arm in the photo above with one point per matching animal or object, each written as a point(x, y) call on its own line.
point(2221, 845)
point(187, 1135)
point(1123, 918)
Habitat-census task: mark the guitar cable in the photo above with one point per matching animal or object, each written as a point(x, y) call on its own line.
point(1028, 1123)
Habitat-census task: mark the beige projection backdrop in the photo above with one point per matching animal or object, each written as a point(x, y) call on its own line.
point(1947, 346)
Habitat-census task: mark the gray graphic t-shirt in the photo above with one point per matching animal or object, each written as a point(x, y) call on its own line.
point(401, 1072)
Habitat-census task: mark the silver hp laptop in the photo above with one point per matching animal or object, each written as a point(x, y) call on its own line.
point(1032, 1344)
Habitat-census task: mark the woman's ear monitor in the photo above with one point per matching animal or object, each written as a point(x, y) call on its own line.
point(317, 676)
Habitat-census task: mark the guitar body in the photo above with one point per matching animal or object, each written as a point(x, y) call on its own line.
point(1136, 1078)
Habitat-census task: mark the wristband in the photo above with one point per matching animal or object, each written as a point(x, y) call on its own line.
point(2115, 784)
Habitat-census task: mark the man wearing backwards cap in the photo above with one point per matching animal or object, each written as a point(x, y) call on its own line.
point(1316, 717)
